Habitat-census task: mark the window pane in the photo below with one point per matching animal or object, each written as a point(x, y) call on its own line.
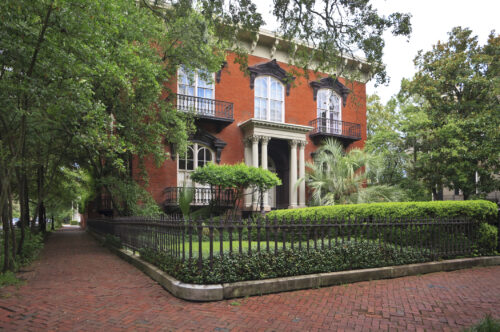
point(261, 87)
point(276, 89)
point(182, 164)
point(190, 165)
point(276, 108)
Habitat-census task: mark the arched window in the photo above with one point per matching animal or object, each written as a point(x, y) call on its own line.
point(329, 111)
point(197, 155)
point(269, 99)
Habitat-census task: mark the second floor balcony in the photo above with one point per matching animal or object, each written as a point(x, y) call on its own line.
point(347, 132)
point(204, 109)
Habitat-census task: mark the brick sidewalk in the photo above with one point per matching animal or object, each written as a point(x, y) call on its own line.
point(79, 285)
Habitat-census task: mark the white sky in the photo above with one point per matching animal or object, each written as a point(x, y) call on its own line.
point(431, 21)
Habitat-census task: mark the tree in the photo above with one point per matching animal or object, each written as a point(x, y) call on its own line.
point(238, 177)
point(456, 114)
point(339, 177)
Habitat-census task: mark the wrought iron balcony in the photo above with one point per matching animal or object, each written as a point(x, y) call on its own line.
point(346, 131)
point(217, 111)
point(223, 198)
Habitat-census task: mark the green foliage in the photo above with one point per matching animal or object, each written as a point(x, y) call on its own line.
point(396, 161)
point(338, 28)
point(130, 198)
point(73, 222)
point(486, 239)
point(264, 265)
point(237, 177)
point(453, 118)
point(33, 244)
point(9, 278)
point(186, 196)
point(487, 324)
point(113, 241)
point(339, 177)
point(479, 211)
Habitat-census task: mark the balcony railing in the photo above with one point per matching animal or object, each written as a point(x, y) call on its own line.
point(205, 107)
point(201, 196)
point(335, 128)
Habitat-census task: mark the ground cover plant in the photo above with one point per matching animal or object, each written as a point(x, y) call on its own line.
point(487, 324)
point(32, 245)
point(284, 263)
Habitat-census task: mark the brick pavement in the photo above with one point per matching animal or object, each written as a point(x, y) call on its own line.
point(78, 285)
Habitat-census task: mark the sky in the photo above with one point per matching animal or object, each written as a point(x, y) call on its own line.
point(431, 21)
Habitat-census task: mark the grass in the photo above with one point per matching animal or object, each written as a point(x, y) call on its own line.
point(205, 246)
point(487, 324)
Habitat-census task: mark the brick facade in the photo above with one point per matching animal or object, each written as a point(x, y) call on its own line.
point(234, 86)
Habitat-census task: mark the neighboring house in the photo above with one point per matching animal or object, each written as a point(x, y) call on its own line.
point(261, 119)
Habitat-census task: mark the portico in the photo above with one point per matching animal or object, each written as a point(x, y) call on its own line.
point(257, 135)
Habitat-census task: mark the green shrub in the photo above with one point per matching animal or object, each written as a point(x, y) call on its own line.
point(486, 239)
point(73, 222)
point(8, 278)
point(284, 263)
point(479, 210)
point(487, 324)
point(113, 240)
point(32, 245)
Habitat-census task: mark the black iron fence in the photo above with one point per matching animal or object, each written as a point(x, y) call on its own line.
point(323, 126)
point(205, 107)
point(205, 239)
point(201, 196)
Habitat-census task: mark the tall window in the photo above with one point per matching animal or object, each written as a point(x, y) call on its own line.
point(269, 99)
point(329, 111)
point(195, 84)
point(196, 156)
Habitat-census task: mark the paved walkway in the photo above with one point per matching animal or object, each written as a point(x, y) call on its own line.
point(79, 285)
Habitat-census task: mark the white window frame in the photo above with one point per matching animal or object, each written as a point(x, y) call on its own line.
point(195, 82)
point(203, 107)
point(329, 127)
point(196, 147)
point(268, 98)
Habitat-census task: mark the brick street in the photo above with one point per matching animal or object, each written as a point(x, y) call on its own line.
point(78, 285)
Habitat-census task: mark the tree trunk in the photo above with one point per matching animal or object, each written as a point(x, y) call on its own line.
point(11, 225)
point(25, 209)
point(40, 206)
point(6, 228)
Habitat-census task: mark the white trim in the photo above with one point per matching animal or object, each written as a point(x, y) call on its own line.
point(195, 82)
point(269, 80)
point(195, 147)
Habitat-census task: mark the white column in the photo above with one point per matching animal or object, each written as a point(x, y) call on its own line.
point(265, 141)
point(248, 162)
point(302, 174)
point(255, 163)
point(293, 174)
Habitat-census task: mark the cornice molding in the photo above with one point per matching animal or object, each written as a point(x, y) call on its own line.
point(271, 68)
point(330, 83)
point(256, 123)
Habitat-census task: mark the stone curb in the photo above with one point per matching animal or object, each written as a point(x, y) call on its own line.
point(219, 292)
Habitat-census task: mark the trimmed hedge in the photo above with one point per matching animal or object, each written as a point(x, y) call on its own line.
point(478, 210)
point(264, 265)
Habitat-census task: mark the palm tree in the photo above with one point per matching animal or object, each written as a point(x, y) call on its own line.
point(339, 177)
